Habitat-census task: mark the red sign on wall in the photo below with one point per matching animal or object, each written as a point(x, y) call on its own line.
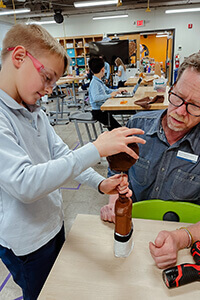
point(190, 26)
point(140, 23)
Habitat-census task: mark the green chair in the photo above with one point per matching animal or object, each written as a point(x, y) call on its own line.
point(160, 210)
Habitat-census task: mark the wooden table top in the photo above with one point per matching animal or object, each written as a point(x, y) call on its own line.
point(86, 268)
point(148, 80)
point(69, 79)
point(113, 104)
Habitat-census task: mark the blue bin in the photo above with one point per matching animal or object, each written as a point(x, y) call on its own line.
point(72, 62)
point(71, 52)
point(80, 61)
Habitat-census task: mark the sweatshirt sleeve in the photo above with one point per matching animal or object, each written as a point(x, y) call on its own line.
point(28, 182)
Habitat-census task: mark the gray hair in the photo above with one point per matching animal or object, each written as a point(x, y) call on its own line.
point(192, 61)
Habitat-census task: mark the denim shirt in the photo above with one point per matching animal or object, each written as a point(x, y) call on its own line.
point(98, 93)
point(159, 173)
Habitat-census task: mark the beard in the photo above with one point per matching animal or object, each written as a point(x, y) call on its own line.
point(173, 126)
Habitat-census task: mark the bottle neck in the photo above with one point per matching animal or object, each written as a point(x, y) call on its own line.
point(123, 198)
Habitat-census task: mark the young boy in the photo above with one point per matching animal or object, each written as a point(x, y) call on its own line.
point(99, 93)
point(34, 162)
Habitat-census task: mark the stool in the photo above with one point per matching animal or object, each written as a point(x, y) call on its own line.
point(59, 113)
point(85, 118)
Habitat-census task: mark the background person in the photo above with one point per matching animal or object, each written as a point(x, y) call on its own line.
point(121, 72)
point(99, 93)
point(106, 77)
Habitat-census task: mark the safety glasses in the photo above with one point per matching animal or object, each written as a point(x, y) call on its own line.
point(48, 77)
point(178, 101)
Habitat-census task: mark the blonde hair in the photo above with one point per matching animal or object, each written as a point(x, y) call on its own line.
point(119, 62)
point(35, 39)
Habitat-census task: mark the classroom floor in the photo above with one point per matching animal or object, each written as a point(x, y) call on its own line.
point(77, 199)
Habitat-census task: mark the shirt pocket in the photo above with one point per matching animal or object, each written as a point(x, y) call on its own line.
point(139, 172)
point(185, 187)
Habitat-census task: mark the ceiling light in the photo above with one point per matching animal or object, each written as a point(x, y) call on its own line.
point(95, 3)
point(110, 17)
point(13, 12)
point(182, 10)
point(41, 22)
point(162, 35)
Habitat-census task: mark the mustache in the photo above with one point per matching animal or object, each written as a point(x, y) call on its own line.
point(176, 117)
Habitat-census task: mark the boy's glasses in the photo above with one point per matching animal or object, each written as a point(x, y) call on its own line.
point(49, 78)
point(177, 101)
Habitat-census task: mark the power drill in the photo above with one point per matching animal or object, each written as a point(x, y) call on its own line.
point(184, 273)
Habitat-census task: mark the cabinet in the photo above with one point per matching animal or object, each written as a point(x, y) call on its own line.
point(77, 48)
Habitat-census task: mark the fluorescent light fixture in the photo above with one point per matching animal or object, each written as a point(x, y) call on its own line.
point(95, 3)
point(110, 17)
point(182, 10)
point(41, 22)
point(13, 12)
point(162, 35)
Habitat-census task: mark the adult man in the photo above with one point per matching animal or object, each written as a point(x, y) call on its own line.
point(160, 173)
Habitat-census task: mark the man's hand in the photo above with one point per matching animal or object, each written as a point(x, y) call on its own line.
point(165, 249)
point(108, 213)
point(115, 141)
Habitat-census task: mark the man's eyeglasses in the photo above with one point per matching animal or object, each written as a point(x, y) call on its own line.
point(177, 101)
point(47, 75)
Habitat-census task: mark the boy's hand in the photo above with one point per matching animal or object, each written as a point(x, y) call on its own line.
point(115, 141)
point(113, 94)
point(123, 91)
point(108, 211)
point(116, 184)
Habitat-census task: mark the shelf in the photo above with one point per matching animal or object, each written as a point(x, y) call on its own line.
point(77, 48)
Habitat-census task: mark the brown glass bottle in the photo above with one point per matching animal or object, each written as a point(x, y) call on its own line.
point(123, 215)
point(121, 162)
point(123, 241)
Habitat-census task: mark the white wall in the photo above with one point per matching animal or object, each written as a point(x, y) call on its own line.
point(189, 39)
point(4, 27)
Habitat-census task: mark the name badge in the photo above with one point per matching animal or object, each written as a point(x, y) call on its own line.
point(187, 156)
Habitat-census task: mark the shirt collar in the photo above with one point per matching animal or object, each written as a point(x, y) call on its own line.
point(191, 136)
point(155, 128)
point(11, 103)
point(96, 78)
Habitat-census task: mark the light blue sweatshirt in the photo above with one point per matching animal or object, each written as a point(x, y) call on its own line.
point(34, 163)
point(98, 93)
